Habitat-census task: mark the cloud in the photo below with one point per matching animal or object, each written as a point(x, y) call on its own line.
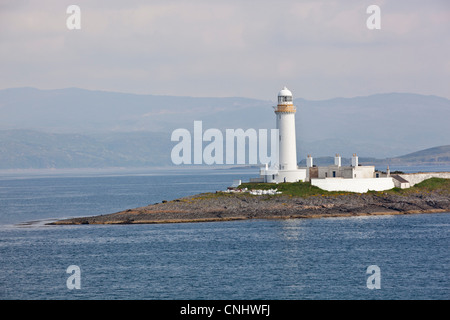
point(228, 48)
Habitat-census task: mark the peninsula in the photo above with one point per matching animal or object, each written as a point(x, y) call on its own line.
point(292, 200)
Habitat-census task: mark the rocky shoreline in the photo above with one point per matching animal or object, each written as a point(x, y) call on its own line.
point(241, 206)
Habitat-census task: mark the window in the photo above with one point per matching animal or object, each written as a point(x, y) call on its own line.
point(284, 99)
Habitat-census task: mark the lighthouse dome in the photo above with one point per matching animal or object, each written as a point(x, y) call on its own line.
point(285, 92)
point(285, 96)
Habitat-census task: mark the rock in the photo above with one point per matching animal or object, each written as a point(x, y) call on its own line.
point(233, 206)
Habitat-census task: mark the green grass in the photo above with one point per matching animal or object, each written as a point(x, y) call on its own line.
point(295, 189)
point(305, 189)
point(434, 184)
point(430, 185)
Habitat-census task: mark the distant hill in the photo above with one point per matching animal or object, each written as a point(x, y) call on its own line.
point(432, 156)
point(24, 149)
point(76, 110)
point(77, 128)
point(436, 155)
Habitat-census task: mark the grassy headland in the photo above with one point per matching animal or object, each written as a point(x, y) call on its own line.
point(298, 200)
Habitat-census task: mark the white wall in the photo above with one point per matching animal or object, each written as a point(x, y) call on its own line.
point(291, 175)
point(354, 185)
point(278, 176)
point(414, 178)
point(363, 172)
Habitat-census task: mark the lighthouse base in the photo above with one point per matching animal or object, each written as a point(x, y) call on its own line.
point(280, 176)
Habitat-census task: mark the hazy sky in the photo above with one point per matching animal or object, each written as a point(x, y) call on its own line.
point(319, 48)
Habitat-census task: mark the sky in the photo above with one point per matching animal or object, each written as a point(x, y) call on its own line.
point(319, 49)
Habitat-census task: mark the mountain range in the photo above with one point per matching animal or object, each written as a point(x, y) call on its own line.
point(78, 128)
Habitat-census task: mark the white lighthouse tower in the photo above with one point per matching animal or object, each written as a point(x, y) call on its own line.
point(285, 113)
point(286, 170)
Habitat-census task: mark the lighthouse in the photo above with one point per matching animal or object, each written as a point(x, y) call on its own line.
point(354, 178)
point(286, 170)
point(285, 115)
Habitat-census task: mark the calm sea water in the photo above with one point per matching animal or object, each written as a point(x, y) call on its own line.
point(260, 259)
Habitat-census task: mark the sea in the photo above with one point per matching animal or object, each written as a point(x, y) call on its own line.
point(356, 258)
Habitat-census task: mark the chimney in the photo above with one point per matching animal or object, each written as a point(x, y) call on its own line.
point(337, 160)
point(354, 160)
point(309, 161)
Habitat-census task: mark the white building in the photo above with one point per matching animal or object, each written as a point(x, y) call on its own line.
point(354, 178)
